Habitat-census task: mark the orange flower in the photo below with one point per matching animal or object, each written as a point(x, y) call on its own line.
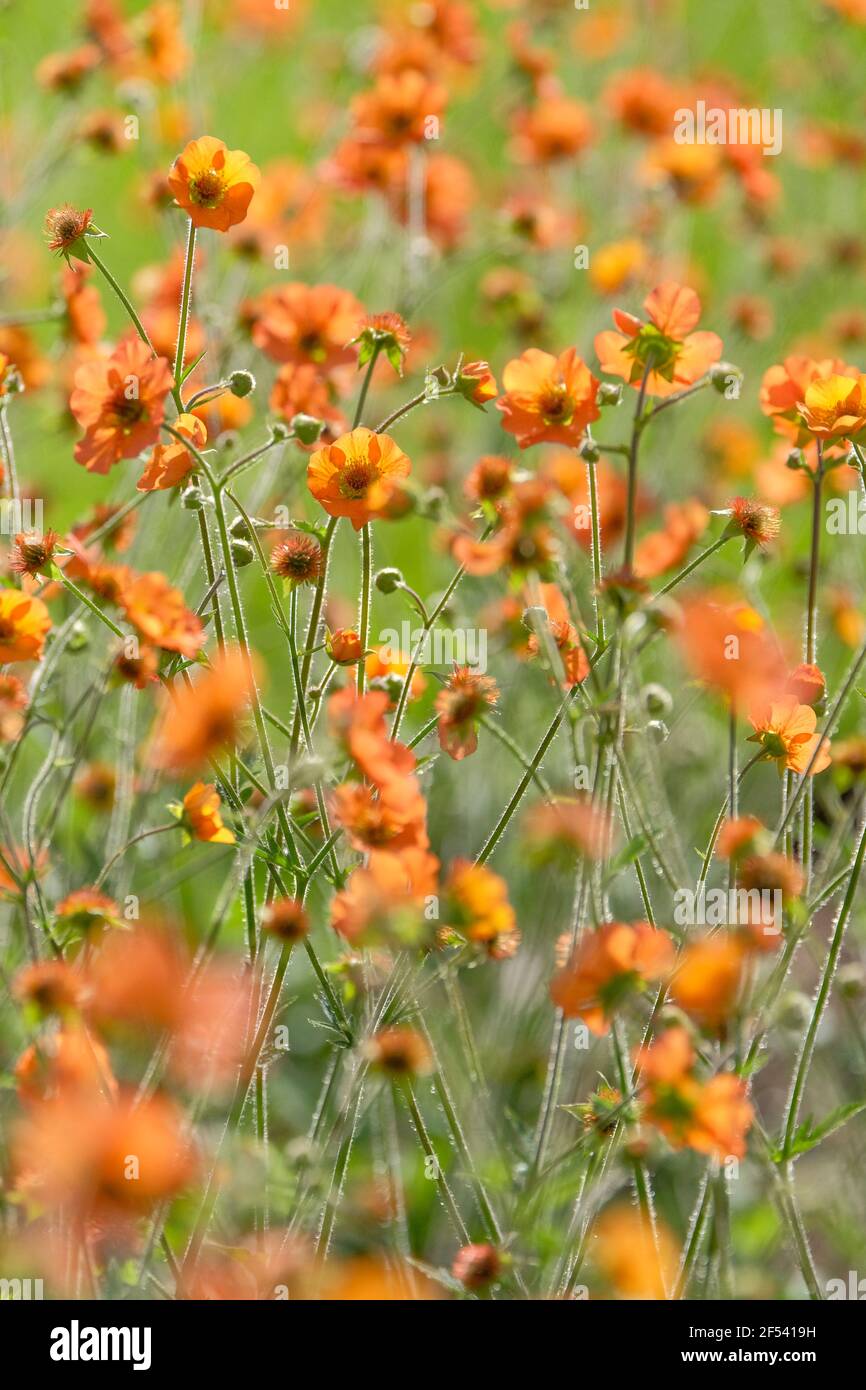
point(120, 403)
point(32, 552)
point(476, 382)
point(563, 635)
point(570, 824)
point(392, 817)
point(737, 837)
point(607, 965)
point(636, 1262)
point(85, 317)
point(286, 918)
point(88, 912)
point(344, 647)
point(13, 701)
point(786, 732)
point(357, 476)
point(727, 646)
point(399, 107)
point(707, 979)
point(24, 625)
point(77, 1150)
point(711, 1118)
point(757, 522)
point(69, 1062)
point(555, 128)
point(835, 408)
point(617, 265)
point(52, 985)
point(477, 907)
point(299, 559)
point(400, 1052)
point(383, 902)
point(806, 683)
point(299, 389)
point(784, 387)
point(664, 348)
point(158, 611)
point(213, 184)
point(170, 463)
point(391, 668)
point(307, 323)
point(460, 705)
point(358, 721)
point(201, 815)
point(548, 398)
point(489, 479)
point(200, 720)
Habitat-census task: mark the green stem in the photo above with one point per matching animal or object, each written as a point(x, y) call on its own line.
point(366, 590)
point(693, 565)
point(121, 295)
point(183, 319)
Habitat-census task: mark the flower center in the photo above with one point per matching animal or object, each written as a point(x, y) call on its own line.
point(356, 478)
point(207, 189)
point(556, 406)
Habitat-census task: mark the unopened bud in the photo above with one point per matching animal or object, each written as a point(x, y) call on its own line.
point(387, 581)
point(242, 383)
point(307, 428)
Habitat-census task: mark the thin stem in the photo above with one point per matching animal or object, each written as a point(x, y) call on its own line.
point(366, 590)
point(693, 565)
point(183, 319)
point(631, 498)
point(121, 295)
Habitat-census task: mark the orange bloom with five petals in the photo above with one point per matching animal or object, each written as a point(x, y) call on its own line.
point(548, 399)
point(606, 966)
point(665, 350)
point(785, 730)
point(213, 184)
point(170, 463)
point(357, 476)
point(120, 404)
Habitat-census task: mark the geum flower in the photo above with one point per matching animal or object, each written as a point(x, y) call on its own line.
point(24, 625)
point(358, 723)
point(171, 463)
point(664, 349)
point(392, 817)
point(548, 399)
point(461, 705)
point(476, 907)
point(606, 966)
point(784, 387)
point(383, 902)
point(357, 476)
point(213, 184)
point(158, 611)
point(201, 817)
point(786, 732)
point(835, 408)
point(712, 1117)
point(204, 718)
point(308, 324)
point(120, 403)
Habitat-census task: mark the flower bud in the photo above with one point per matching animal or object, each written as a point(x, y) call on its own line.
point(609, 393)
point(387, 581)
point(306, 428)
point(590, 451)
point(724, 376)
point(242, 554)
point(242, 383)
point(656, 699)
point(192, 498)
point(280, 430)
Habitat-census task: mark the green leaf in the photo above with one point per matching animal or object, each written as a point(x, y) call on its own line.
point(632, 851)
point(809, 1135)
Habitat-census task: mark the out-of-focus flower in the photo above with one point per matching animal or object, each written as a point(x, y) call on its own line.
point(567, 826)
point(636, 1262)
point(477, 908)
point(607, 965)
point(286, 919)
point(400, 1052)
point(706, 981)
point(158, 611)
point(556, 127)
point(476, 1266)
point(13, 703)
point(204, 718)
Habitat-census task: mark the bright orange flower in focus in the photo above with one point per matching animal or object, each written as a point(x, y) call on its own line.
point(357, 476)
point(201, 815)
point(159, 613)
point(170, 463)
point(786, 732)
point(120, 404)
point(548, 399)
point(707, 978)
point(784, 387)
point(205, 718)
point(664, 348)
point(24, 625)
point(835, 408)
point(213, 184)
point(608, 965)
